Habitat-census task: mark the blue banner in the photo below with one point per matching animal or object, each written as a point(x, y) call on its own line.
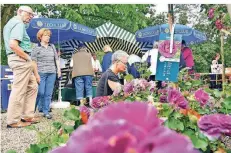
point(168, 63)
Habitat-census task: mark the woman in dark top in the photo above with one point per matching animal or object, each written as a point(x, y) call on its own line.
point(110, 80)
point(106, 63)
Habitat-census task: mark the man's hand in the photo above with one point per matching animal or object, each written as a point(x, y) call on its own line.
point(37, 78)
point(59, 73)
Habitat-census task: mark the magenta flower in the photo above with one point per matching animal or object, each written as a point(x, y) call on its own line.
point(163, 140)
point(163, 98)
point(197, 76)
point(163, 84)
point(162, 91)
point(84, 109)
point(219, 24)
point(99, 102)
point(127, 111)
point(126, 128)
point(176, 98)
point(211, 13)
point(215, 124)
point(103, 137)
point(164, 48)
point(152, 86)
point(201, 96)
point(143, 84)
point(128, 88)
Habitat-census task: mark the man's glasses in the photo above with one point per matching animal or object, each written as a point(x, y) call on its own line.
point(125, 64)
point(31, 14)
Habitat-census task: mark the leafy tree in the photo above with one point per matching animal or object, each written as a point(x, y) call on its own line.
point(128, 16)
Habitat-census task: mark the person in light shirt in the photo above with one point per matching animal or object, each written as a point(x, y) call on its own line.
point(151, 58)
point(96, 64)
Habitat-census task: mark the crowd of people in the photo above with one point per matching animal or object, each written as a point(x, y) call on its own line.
point(36, 70)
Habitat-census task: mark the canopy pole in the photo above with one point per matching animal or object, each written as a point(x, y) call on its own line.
point(223, 61)
point(170, 16)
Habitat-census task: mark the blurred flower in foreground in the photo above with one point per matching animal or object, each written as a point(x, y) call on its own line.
point(126, 128)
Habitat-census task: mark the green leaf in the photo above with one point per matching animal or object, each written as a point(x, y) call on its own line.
point(77, 124)
point(44, 147)
point(188, 83)
point(34, 148)
point(199, 143)
point(72, 114)
point(65, 137)
point(196, 82)
point(68, 129)
point(11, 151)
point(227, 102)
point(217, 93)
point(57, 125)
point(177, 115)
point(174, 124)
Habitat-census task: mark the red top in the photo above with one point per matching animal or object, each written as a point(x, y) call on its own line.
point(188, 57)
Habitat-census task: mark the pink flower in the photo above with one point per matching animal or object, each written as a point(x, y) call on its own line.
point(201, 96)
point(123, 128)
point(163, 98)
point(176, 98)
point(211, 13)
point(163, 84)
point(127, 111)
point(152, 86)
point(85, 110)
point(162, 91)
point(215, 124)
point(219, 24)
point(197, 76)
point(144, 84)
point(128, 88)
point(99, 102)
point(164, 48)
point(163, 140)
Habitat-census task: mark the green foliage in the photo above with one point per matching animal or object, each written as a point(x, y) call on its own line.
point(11, 151)
point(57, 134)
point(142, 68)
point(100, 55)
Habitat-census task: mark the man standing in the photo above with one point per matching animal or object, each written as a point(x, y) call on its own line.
point(22, 99)
point(82, 74)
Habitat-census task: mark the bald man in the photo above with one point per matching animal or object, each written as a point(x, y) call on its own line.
point(20, 112)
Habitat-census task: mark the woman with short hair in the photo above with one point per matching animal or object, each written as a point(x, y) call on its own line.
point(106, 63)
point(45, 56)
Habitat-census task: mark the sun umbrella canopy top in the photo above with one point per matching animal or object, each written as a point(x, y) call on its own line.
point(62, 30)
point(151, 34)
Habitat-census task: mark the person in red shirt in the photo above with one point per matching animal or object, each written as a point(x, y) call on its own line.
point(188, 57)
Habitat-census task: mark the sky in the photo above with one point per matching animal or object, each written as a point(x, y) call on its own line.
point(161, 8)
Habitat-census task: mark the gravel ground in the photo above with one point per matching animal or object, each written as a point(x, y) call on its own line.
point(19, 139)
